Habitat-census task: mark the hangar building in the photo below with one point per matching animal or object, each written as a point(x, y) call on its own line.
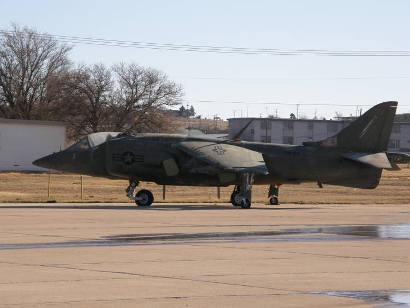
point(23, 141)
point(297, 131)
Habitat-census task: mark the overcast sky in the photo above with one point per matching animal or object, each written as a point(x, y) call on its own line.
point(254, 79)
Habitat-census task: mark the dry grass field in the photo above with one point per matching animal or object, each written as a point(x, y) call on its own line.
point(17, 187)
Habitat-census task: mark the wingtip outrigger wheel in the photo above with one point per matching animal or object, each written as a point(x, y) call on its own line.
point(273, 194)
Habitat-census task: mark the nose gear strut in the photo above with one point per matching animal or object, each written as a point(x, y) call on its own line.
point(142, 198)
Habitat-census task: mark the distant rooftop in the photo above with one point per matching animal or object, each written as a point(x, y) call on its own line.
point(399, 118)
point(286, 119)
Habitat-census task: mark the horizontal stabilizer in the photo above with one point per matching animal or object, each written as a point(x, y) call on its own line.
point(398, 157)
point(378, 160)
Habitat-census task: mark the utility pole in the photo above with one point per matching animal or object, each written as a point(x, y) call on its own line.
point(297, 111)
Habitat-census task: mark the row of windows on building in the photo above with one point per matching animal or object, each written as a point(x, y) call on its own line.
point(393, 143)
point(287, 124)
point(331, 127)
point(268, 139)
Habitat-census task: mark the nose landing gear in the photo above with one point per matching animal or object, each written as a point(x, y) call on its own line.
point(143, 198)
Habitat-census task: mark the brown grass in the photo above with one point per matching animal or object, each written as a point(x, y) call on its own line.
point(17, 187)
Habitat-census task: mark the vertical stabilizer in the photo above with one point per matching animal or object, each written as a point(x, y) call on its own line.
point(369, 133)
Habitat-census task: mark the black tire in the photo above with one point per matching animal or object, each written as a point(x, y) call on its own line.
point(274, 201)
point(233, 201)
point(147, 198)
point(245, 204)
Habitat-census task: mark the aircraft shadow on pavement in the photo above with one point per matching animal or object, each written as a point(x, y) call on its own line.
point(155, 207)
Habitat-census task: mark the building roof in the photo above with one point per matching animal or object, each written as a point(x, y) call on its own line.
point(397, 120)
point(288, 119)
point(33, 122)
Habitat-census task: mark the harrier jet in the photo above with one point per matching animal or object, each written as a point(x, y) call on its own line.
point(355, 157)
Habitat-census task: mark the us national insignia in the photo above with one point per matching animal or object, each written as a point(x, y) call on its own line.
point(218, 149)
point(128, 158)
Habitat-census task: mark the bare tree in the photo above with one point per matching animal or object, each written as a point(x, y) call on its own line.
point(88, 95)
point(28, 61)
point(37, 81)
point(141, 99)
point(338, 115)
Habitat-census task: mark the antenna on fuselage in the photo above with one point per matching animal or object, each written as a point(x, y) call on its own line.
point(237, 137)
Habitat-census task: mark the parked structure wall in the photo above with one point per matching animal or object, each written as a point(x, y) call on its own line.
point(290, 131)
point(23, 141)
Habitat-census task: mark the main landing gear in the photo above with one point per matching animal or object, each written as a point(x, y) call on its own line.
point(273, 194)
point(241, 195)
point(142, 198)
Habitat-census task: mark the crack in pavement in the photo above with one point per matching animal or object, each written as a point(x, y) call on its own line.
point(154, 276)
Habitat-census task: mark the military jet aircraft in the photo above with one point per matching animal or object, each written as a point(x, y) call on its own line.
point(354, 157)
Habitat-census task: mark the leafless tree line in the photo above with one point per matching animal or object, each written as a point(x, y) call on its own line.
point(38, 81)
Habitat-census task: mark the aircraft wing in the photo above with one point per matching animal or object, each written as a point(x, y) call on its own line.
point(224, 156)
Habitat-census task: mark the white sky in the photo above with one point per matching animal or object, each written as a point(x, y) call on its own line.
point(296, 24)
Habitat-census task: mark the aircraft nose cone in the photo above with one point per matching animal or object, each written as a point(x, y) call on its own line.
point(46, 161)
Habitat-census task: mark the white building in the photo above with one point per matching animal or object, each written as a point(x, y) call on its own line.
point(23, 141)
point(290, 131)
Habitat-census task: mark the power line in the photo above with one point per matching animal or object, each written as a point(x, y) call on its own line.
point(297, 79)
point(216, 49)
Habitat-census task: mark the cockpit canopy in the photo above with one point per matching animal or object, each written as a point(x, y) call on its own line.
point(92, 140)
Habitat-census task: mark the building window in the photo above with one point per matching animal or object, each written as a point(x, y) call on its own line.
point(266, 139)
point(394, 144)
point(310, 125)
point(332, 128)
point(396, 128)
point(288, 140)
point(265, 124)
point(289, 125)
point(252, 131)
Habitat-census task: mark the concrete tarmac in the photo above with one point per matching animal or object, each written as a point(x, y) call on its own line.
point(204, 255)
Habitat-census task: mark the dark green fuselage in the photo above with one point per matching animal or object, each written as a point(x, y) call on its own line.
point(141, 158)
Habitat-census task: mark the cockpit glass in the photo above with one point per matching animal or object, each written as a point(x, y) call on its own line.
point(81, 145)
point(92, 141)
point(98, 138)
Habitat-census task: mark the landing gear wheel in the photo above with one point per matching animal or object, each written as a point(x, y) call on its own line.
point(234, 199)
point(245, 203)
point(145, 198)
point(274, 201)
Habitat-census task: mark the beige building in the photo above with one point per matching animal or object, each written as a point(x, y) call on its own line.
point(292, 131)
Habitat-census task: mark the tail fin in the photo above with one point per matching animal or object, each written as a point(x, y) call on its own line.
point(369, 133)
